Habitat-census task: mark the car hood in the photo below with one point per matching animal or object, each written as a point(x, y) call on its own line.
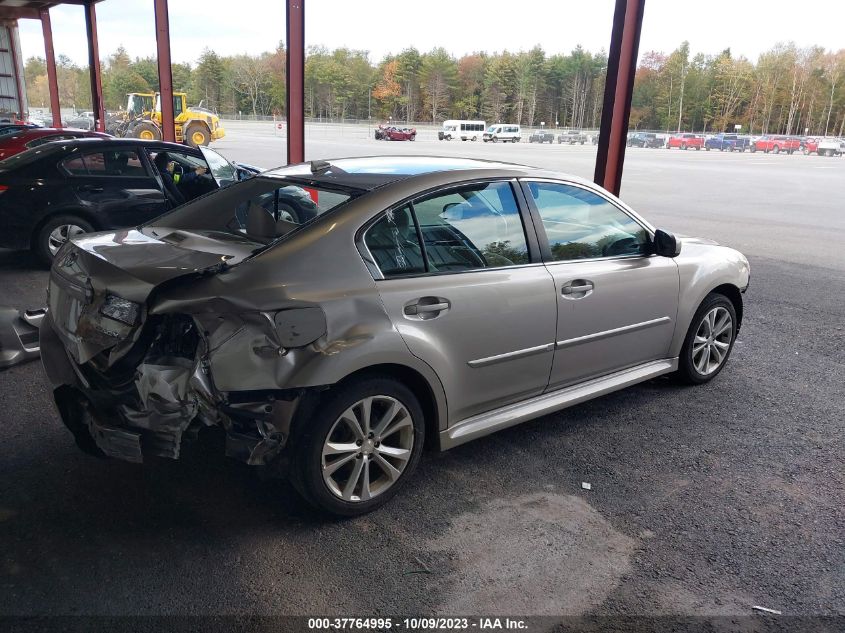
point(686, 239)
point(125, 267)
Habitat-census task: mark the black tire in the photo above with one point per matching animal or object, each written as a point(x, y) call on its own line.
point(687, 373)
point(307, 444)
point(41, 241)
point(495, 139)
point(145, 130)
point(776, 149)
point(196, 135)
point(287, 209)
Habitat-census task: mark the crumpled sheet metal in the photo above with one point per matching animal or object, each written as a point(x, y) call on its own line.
point(256, 451)
point(168, 405)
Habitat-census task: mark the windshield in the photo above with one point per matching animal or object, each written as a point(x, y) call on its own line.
point(224, 172)
point(260, 210)
point(492, 128)
point(137, 104)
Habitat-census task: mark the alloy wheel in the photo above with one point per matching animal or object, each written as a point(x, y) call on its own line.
point(61, 234)
point(712, 341)
point(367, 448)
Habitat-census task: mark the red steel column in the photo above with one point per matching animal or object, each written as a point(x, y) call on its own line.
point(295, 78)
point(618, 91)
point(50, 57)
point(94, 68)
point(165, 76)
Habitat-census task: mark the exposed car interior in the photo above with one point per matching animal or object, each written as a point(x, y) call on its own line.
point(175, 169)
point(469, 228)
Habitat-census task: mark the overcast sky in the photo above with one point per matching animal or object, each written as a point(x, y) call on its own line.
point(384, 26)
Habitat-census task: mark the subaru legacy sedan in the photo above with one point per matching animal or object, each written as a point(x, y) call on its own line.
point(429, 301)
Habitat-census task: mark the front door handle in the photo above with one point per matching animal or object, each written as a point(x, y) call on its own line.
point(581, 287)
point(91, 189)
point(426, 307)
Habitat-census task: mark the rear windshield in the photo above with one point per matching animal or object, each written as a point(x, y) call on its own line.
point(261, 210)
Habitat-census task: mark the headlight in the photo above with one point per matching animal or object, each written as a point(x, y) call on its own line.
point(120, 309)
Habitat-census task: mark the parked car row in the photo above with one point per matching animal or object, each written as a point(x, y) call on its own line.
point(725, 142)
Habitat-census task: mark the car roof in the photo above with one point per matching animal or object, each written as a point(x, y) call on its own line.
point(136, 142)
point(47, 131)
point(368, 172)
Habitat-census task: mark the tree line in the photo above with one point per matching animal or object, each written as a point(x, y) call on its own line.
point(788, 90)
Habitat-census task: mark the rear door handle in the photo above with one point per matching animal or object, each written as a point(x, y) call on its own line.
point(427, 307)
point(577, 287)
point(90, 189)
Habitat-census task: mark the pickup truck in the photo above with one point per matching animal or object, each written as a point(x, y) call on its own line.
point(824, 146)
point(572, 137)
point(685, 141)
point(727, 142)
point(541, 136)
point(776, 144)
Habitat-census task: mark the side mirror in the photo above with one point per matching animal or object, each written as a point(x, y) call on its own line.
point(666, 244)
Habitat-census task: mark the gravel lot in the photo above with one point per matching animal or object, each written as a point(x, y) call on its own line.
point(704, 501)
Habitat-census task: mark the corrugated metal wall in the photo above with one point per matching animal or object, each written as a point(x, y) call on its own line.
point(9, 104)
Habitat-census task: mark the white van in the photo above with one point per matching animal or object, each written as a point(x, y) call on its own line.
point(505, 132)
point(463, 130)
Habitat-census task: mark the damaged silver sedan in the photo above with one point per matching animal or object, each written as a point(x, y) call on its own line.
point(428, 300)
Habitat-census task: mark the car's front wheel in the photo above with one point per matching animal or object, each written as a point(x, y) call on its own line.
point(709, 340)
point(359, 447)
point(55, 232)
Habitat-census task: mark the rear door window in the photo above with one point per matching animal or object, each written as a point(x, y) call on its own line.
point(120, 162)
point(467, 228)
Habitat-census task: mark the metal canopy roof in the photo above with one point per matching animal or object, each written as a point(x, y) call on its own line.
point(21, 9)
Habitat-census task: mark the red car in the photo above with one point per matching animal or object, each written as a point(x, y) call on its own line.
point(391, 133)
point(776, 144)
point(685, 141)
point(27, 138)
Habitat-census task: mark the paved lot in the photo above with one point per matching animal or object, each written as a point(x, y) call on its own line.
point(705, 500)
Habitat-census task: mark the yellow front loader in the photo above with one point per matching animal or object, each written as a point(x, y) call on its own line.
point(194, 126)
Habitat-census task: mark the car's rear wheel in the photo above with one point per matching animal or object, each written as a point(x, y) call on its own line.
point(359, 447)
point(709, 340)
point(776, 149)
point(55, 233)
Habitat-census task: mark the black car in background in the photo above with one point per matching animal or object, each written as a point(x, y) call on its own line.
point(645, 139)
point(60, 189)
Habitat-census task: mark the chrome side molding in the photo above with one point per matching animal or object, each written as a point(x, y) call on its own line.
point(513, 414)
point(520, 353)
point(608, 333)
